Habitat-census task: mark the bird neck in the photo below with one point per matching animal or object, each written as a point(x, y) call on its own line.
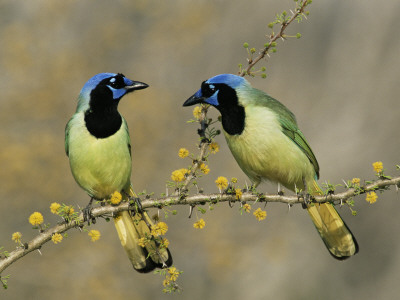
point(233, 119)
point(103, 123)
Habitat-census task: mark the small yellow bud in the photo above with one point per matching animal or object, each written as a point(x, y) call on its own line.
point(54, 207)
point(183, 152)
point(94, 235)
point(238, 193)
point(371, 197)
point(355, 181)
point(204, 168)
point(260, 214)
point(199, 224)
point(221, 182)
point(247, 207)
point(177, 176)
point(16, 237)
point(214, 147)
point(378, 166)
point(197, 112)
point(116, 198)
point(56, 238)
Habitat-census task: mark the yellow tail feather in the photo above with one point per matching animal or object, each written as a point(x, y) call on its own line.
point(130, 229)
point(336, 235)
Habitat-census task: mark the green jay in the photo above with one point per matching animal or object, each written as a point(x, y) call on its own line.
point(266, 142)
point(98, 145)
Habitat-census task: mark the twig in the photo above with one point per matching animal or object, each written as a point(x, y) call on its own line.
point(274, 37)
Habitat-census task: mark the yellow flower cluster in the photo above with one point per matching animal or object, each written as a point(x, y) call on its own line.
point(171, 276)
point(204, 168)
point(371, 197)
point(54, 207)
point(164, 243)
point(221, 182)
point(238, 193)
point(183, 152)
point(355, 181)
point(260, 214)
point(247, 207)
point(214, 147)
point(16, 237)
point(94, 235)
point(116, 198)
point(160, 228)
point(36, 218)
point(197, 112)
point(179, 175)
point(142, 242)
point(56, 238)
point(378, 166)
point(199, 224)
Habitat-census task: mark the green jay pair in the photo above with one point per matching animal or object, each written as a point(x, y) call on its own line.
point(261, 133)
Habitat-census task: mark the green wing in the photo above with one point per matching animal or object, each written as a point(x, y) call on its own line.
point(290, 130)
point(289, 125)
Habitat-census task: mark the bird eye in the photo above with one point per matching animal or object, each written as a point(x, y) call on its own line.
point(117, 82)
point(208, 89)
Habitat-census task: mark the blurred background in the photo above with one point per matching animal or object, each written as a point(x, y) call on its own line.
point(341, 79)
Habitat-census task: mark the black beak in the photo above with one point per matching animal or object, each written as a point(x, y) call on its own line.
point(136, 85)
point(193, 100)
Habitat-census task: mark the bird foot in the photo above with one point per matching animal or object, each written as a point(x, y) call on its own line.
point(87, 213)
point(134, 205)
point(306, 199)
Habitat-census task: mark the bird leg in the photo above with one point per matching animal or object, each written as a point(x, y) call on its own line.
point(87, 212)
point(306, 195)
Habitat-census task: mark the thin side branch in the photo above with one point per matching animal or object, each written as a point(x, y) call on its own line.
point(274, 37)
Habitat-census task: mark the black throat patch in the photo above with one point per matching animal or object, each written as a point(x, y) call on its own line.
point(102, 119)
point(232, 113)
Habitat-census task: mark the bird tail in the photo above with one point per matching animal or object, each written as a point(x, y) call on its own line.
point(334, 232)
point(130, 229)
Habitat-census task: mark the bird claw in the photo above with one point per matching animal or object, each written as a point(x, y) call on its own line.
point(87, 213)
point(136, 206)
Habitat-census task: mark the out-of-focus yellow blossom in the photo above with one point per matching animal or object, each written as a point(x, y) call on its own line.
point(116, 198)
point(36, 218)
point(199, 224)
point(378, 166)
point(94, 235)
point(165, 243)
point(247, 207)
point(56, 238)
point(355, 181)
point(222, 182)
point(234, 180)
point(183, 152)
point(174, 273)
point(142, 242)
point(204, 168)
point(238, 193)
point(260, 214)
point(197, 112)
point(371, 197)
point(160, 228)
point(177, 176)
point(16, 237)
point(214, 147)
point(54, 207)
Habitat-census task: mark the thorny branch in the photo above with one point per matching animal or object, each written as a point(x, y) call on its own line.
point(198, 199)
point(273, 37)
